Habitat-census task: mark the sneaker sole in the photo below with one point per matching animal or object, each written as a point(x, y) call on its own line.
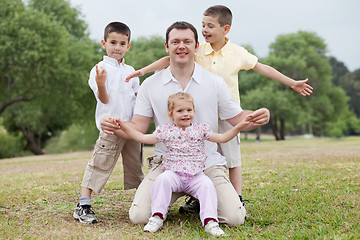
point(153, 231)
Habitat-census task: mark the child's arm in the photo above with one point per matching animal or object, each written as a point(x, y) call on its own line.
point(100, 81)
point(299, 86)
point(256, 118)
point(136, 135)
point(228, 135)
point(155, 66)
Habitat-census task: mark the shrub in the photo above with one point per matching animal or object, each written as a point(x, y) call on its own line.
point(10, 146)
point(76, 138)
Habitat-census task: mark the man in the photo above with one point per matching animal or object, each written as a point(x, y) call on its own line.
point(212, 99)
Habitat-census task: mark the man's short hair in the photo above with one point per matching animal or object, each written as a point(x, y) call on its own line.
point(184, 26)
point(117, 27)
point(221, 12)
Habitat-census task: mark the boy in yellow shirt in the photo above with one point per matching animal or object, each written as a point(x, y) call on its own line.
point(218, 55)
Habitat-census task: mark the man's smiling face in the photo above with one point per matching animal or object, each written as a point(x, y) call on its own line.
point(181, 46)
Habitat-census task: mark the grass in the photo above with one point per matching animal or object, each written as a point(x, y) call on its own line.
point(298, 189)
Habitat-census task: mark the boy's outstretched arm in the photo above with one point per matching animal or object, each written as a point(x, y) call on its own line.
point(100, 81)
point(299, 86)
point(228, 135)
point(155, 66)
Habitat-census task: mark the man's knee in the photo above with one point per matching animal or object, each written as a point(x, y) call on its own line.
point(138, 217)
point(235, 218)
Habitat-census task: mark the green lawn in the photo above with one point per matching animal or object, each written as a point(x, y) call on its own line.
point(298, 189)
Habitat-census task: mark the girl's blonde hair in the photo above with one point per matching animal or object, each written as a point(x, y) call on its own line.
point(181, 96)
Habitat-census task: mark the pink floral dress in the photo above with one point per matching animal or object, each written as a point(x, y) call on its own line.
point(185, 148)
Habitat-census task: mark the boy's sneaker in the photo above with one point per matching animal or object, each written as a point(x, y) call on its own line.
point(213, 228)
point(192, 205)
point(85, 214)
point(154, 224)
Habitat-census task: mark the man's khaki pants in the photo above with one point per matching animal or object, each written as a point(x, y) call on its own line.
point(230, 208)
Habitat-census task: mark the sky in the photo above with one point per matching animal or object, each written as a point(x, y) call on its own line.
point(255, 22)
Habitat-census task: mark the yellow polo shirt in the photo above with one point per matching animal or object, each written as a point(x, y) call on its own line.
point(226, 63)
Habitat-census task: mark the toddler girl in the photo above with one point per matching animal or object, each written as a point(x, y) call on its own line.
point(184, 162)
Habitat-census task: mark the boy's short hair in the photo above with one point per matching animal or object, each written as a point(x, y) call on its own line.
point(223, 14)
point(182, 25)
point(117, 27)
point(176, 96)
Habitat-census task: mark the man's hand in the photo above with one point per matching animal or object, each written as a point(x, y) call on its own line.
point(302, 87)
point(259, 117)
point(109, 125)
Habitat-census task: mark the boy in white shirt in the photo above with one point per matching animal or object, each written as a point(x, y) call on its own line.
point(114, 97)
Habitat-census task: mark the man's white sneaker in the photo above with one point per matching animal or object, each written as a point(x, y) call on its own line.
point(213, 228)
point(154, 224)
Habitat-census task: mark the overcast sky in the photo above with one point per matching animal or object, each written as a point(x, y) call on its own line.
point(255, 22)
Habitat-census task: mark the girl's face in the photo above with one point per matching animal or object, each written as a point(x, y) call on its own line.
point(183, 113)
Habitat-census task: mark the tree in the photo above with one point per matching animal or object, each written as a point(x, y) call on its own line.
point(63, 14)
point(338, 70)
point(351, 84)
point(299, 55)
point(43, 73)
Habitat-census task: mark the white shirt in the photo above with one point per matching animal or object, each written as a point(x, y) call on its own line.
point(121, 94)
point(212, 98)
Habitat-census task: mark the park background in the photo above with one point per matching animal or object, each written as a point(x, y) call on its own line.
point(47, 49)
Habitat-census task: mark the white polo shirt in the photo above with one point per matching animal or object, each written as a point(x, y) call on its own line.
point(211, 95)
point(121, 94)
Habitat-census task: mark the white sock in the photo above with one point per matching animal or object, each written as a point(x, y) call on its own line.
point(85, 200)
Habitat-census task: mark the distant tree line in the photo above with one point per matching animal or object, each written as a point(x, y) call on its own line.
point(332, 109)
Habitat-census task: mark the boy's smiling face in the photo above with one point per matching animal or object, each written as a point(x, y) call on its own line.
point(212, 31)
point(116, 45)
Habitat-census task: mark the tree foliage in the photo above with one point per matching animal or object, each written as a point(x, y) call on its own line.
point(350, 82)
point(300, 55)
point(338, 70)
point(44, 70)
point(64, 15)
